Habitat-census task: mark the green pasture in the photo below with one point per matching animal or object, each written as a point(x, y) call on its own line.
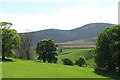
point(37, 69)
point(74, 54)
point(32, 69)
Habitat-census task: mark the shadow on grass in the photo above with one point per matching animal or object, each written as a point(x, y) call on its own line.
point(110, 74)
point(7, 60)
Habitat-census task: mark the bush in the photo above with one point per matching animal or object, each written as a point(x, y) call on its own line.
point(81, 61)
point(67, 61)
point(55, 59)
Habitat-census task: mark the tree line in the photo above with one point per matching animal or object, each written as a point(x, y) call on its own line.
point(11, 41)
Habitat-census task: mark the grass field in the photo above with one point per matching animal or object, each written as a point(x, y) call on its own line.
point(0, 69)
point(31, 69)
point(74, 54)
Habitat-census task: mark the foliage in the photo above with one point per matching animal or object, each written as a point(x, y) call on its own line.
point(67, 61)
point(81, 61)
point(47, 50)
point(10, 39)
point(5, 24)
point(107, 54)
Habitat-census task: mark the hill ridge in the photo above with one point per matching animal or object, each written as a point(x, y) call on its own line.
point(90, 30)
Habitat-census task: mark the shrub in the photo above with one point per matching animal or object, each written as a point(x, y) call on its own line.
point(67, 61)
point(81, 61)
point(55, 59)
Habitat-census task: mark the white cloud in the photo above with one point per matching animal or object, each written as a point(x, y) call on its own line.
point(67, 18)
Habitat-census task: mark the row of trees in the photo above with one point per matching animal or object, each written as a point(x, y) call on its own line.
point(107, 55)
point(46, 49)
point(11, 41)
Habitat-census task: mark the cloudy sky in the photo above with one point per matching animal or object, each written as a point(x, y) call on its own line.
point(34, 15)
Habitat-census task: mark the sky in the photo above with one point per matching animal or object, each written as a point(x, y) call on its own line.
point(34, 15)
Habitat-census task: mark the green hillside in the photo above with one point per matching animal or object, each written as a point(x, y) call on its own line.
point(74, 54)
point(31, 69)
point(37, 69)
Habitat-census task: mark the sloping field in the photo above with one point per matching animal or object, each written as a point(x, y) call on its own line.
point(74, 54)
point(32, 69)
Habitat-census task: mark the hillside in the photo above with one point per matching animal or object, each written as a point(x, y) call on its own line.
point(87, 31)
point(31, 69)
point(74, 54)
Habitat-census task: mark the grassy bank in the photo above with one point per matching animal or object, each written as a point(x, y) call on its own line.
point(31, 69)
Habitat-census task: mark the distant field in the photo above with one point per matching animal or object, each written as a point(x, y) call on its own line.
point(74, 54)
point(31, 69)
point(83, 43)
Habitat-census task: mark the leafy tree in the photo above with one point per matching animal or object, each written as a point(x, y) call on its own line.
point(0, 42)
point(67, 61)
point(5, 24)
point(107, 54)
point(81, 61)
point(10, 39)
point(47, 51)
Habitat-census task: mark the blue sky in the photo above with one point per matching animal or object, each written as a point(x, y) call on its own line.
point(36, 15)
point(20, 8)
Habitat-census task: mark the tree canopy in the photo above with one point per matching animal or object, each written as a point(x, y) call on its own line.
point(5, 24)
point(10, 39)
point(107, 54)
point(47, 50)
point(81, 61)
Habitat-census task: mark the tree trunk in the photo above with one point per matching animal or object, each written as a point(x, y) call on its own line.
point(3, 56)
point(28, 57)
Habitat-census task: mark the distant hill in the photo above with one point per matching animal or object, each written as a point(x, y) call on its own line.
point(87, 31)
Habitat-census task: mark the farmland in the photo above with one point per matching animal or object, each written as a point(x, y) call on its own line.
point(35, 69)
point(74, 54)
point(31, 69)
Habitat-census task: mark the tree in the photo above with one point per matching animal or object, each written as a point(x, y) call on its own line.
point(10, 39)
point(25, 46)
point(107, 53)
point(0, 43)
point(67, 61)
point(60, 48)
point(81, 61)
point(5, 24)
point(47, 50)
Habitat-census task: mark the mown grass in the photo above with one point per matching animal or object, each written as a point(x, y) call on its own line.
point(32, 69)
